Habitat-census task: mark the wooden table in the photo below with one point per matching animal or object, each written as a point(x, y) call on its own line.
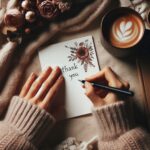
point(144, 73)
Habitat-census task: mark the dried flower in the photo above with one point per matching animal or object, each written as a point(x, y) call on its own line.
point(26, 4)
point(64, 6)
point(13, 18)
point(27, 30)
point(48, 9)
point(30, 16)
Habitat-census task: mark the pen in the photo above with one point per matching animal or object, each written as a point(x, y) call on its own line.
point(111, 89)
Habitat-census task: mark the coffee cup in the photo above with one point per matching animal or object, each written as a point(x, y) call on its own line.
point(122, 30)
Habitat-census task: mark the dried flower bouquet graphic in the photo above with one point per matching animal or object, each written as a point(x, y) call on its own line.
point(82, 52)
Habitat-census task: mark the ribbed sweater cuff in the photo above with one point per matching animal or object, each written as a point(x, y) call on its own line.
point(30, 120)
point(113, 120)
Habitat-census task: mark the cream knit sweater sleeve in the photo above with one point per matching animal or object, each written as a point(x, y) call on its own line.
point(25, 126)
point(117, 131)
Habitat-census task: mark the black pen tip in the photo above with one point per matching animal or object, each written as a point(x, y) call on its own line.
point(82, 81)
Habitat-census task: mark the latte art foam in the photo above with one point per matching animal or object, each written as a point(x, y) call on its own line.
point(126, 31)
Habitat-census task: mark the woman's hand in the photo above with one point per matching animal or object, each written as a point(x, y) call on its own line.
point(41, 90)
point(101, 97)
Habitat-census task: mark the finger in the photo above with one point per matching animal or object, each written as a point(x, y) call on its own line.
point(27, 85)
point(38, 82)
point(101, 74)
point(113, 79)
point(98, 75)
point(125, 83)
point(52, 92)
point(90, 93)
point(119, 82)
point(100, 92)
point(89, 89)
point(108, 75)
point(48, 83)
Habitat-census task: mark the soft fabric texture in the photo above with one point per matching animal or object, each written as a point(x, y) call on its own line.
point(117, 130)
point(142, 7)
point(26, 126)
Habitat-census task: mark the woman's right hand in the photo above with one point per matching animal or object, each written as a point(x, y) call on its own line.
point(101, 97)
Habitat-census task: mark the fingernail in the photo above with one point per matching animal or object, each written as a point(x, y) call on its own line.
point(33, 74)
point(57, 69)
point(61, 77)
point(47, 68)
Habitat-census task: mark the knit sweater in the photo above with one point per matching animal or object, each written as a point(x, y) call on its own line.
point(117, 130)
point(25, 126)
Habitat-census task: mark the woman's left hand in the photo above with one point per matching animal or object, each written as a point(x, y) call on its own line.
point(42, 89)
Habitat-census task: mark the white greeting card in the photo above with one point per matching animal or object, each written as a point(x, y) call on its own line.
point(77, 60)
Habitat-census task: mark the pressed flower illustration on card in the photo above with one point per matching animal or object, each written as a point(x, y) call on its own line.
point(82, 53)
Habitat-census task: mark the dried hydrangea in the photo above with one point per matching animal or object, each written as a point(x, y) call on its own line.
point(13, 18)
point(50, 9)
